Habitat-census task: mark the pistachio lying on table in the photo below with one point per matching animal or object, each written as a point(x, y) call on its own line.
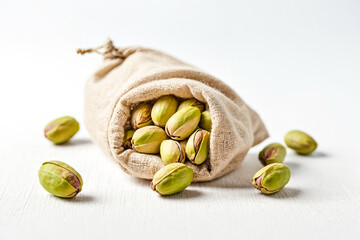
point(60, 179)
point(272, 153)
point(301, 142)
point(172, 178)
point(271, 178)
point(61, 130)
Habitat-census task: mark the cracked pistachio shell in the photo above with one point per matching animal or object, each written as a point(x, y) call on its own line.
point(61, 130)
point(301, 142)
point(60, 179)
point(163, 109)
point(197, 146)
point(171, 152)
point(141, 116)
point(271, 178)
point(148, 139)
point(127, 138)
point(183, 123)
point(205, 121)
point(272, 153)
point(172, 178)
point(192, 102)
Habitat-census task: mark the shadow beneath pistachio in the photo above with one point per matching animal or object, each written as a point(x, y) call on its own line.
point(186, 194)
point(80, 198)
point(76, 142)
point(241, 177)
point(315, 154)
point(286, 192)
point(318, 155)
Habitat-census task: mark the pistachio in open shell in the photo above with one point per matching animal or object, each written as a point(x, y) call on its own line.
point(197, 146)
point(272, 153)
point(141, 116)
point(271, 178)
point(171, 151)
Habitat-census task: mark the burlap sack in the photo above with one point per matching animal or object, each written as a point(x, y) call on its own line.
point(132, 75)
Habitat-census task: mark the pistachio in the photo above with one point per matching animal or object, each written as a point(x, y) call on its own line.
point(148, 139)
point(163, 109)
point(127, 138)
point(60, 179)
point(171, 151)
point(141, 116)
point(272, 153)
point(172, 178)
point(205, 121)
point(183, 145)
point(271, 178)
point(192, 102)
point(61, 130)
point(183, 123)
point(197, 146)
point(301, 142)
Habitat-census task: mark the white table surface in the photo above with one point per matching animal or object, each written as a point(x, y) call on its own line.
point(295, 62)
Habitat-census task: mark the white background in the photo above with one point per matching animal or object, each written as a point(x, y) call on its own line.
point(295, 62)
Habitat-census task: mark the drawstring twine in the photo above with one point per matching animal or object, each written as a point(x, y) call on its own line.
point(108, 51)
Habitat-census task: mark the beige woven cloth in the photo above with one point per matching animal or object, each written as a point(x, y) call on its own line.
point(132, 75)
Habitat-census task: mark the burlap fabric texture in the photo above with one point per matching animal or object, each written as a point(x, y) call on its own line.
point(129, 76)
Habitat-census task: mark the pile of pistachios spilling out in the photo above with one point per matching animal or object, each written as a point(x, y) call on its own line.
point(275, 175)
point(177, 132)
point(174, 130)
